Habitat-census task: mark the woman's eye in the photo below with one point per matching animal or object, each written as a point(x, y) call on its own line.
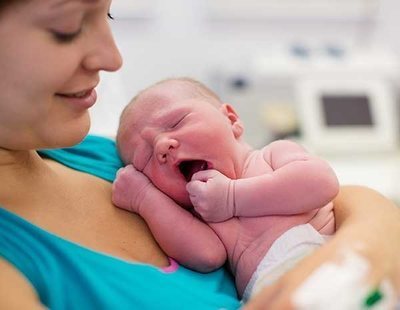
point(66, 37)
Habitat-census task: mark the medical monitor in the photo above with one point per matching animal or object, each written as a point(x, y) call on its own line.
point(347, 116)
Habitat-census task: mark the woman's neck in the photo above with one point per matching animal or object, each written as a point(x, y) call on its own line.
point(20, 170)
point(18, 160)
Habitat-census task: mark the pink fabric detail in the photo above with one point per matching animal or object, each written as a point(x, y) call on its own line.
point(173, 266)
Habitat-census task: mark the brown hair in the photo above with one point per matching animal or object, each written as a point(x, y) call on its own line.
point(3, 3)
point(7, 3)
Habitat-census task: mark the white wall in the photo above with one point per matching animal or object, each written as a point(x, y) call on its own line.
point(180, 40)
point(386, 32)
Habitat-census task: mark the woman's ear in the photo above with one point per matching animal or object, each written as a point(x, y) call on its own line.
point(230, 113)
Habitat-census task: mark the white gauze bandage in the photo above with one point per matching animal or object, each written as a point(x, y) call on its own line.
point(341, 286)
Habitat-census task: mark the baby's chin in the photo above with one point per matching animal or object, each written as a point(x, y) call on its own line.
point(183, 200)
point(187, 204)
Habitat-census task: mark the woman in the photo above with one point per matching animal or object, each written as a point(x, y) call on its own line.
point(62, 242)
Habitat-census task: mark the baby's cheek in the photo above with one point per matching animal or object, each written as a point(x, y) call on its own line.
point(181, 196)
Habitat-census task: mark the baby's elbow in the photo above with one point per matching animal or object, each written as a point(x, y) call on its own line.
point(325, 178)
point(212, 260)
point(331, 188)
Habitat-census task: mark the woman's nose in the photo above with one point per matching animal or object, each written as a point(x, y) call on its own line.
point(163, 147)
point(103, 53)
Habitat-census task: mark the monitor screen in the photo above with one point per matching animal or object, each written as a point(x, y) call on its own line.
point(347, 110)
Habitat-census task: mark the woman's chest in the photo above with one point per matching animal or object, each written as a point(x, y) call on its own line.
point(80, 210)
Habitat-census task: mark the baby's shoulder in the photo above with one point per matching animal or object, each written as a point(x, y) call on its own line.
point(256, 164)
point(283, 145)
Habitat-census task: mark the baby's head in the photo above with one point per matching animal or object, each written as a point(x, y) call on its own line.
point(164, 92)
point(176, 127)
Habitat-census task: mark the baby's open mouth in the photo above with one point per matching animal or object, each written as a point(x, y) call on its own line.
point(190, 167)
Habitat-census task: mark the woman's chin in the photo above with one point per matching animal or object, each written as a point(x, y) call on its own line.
point(75, 137)
point(68, 135)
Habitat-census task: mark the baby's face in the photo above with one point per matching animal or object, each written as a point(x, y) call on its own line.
point(174, 137)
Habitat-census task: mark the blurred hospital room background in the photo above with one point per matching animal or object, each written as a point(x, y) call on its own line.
point(323, 72)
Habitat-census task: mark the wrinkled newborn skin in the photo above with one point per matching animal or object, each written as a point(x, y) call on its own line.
point(191, 149)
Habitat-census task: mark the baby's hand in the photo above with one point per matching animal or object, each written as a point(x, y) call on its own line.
point(129, 188)
point(211, 194)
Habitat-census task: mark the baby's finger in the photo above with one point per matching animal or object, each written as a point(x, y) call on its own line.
point(195, 187)
point(130, 168)
point(204, 175)
point(119, 172)
point(125, 170)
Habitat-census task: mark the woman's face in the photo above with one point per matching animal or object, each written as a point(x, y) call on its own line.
point(51, 52)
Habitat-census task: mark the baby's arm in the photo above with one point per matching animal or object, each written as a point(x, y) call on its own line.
point(180, 234)
point(299, 183)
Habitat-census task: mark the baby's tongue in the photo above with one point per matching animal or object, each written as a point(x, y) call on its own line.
point(191, 167)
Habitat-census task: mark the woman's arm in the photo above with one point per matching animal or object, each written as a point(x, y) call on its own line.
point(15, 291)
point(368, 224)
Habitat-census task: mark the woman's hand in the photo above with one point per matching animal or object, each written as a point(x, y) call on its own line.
point(279, 295)
point(369, 225)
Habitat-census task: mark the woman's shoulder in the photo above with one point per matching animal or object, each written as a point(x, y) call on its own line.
point(19, 293)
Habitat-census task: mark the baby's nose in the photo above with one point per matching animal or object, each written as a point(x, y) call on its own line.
point(163, 148)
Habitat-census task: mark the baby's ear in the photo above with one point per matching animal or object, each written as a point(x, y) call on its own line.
point(237, 125)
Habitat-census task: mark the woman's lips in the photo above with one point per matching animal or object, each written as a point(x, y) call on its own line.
point(84, 99)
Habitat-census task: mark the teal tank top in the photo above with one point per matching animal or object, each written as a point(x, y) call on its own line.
point(66, 275)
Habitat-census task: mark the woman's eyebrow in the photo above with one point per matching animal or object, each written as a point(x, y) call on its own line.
point(60, 3)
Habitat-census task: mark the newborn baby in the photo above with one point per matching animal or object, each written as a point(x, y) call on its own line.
point(208, 196)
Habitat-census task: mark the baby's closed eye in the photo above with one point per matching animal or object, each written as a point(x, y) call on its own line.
point(178, 121)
